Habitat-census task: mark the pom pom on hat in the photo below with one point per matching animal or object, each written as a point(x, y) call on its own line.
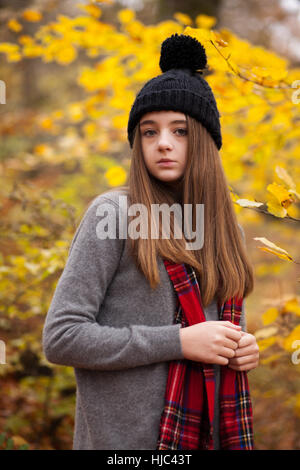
point(182, 52)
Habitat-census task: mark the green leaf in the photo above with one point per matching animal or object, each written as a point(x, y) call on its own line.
point(2, 438)
point(9, 444)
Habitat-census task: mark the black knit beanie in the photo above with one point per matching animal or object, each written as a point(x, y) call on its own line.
point(179, 88)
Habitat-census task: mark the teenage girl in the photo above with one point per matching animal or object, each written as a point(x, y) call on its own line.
point(156, 331)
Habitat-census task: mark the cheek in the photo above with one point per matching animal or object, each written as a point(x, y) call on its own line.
point(184, 153)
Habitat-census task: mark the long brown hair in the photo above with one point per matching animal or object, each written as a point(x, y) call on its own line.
point(222, 265)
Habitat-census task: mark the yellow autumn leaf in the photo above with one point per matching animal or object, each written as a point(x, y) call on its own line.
point(66, 55)
point(260, 71)
point(257, 113)
point(33, 268)
point(275, 208)
point(14, 25)
point(57, 114)
point(205, 21)
point(32, 50)
point(287, 202)
point(201, 34)
point(182, 18)
point(278, 73)
point(266, 343)
point(248, 203)
point(292, 306)
point(279, 255)
point(284, 176)
point(120, 121)
point(75, 112)
point(46, 123)
point(18, 260)
point(279, 192)
point(9, 48)
point(19, 441)
point(32, 15)
point(219, 39)
point(270, 316)
point(126, 15)
point(25, 39)
point(266, 332)
point(291, 338)
point(293, 191)
point(272, 74)
point(43, 150)
point(15, 57)
point(92, 10)
point(89, 129)
point(270, 244)
point(116, 176)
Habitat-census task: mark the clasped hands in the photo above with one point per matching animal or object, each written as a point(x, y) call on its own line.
point(220, 342)
point(246, 354)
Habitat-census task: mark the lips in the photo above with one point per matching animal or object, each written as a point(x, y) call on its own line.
point(165, 160)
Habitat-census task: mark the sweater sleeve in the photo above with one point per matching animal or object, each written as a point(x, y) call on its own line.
point(71, 334)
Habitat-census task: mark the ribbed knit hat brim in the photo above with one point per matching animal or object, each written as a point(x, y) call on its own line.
point(184, 101)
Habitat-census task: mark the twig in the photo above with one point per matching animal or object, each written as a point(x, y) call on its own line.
point(237, 72)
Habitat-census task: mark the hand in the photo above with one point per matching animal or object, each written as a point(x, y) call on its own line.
point(212, 342)
point(246, 355)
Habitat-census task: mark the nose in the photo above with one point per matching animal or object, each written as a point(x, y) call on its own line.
point(164, 142)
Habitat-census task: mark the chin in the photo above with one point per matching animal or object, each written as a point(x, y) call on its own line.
point(168, 178)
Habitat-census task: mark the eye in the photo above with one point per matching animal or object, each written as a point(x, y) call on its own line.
point(146, 133)
point(182, 131)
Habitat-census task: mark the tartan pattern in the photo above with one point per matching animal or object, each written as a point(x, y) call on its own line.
point(187, 418)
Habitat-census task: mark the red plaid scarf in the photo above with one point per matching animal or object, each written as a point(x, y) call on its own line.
point(187, 418)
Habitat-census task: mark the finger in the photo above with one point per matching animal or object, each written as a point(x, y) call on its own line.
point(233, 334)
point(222, 361)
point(246, 339)
point(229, 324)
point(227, 352)
point(229, 343)
point(238, 361)
point(246, 351)
point(244, 367)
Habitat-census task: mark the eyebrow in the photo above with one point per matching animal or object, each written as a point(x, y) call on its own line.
point(177, 121)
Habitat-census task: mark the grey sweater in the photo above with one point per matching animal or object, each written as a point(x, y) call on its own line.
point(118, 334)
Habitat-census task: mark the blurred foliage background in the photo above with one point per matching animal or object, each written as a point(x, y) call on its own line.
point(68, 77)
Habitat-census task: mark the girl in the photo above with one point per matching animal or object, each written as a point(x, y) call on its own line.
point(155, 330)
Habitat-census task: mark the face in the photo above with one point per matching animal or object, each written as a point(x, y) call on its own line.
point(164, 144)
